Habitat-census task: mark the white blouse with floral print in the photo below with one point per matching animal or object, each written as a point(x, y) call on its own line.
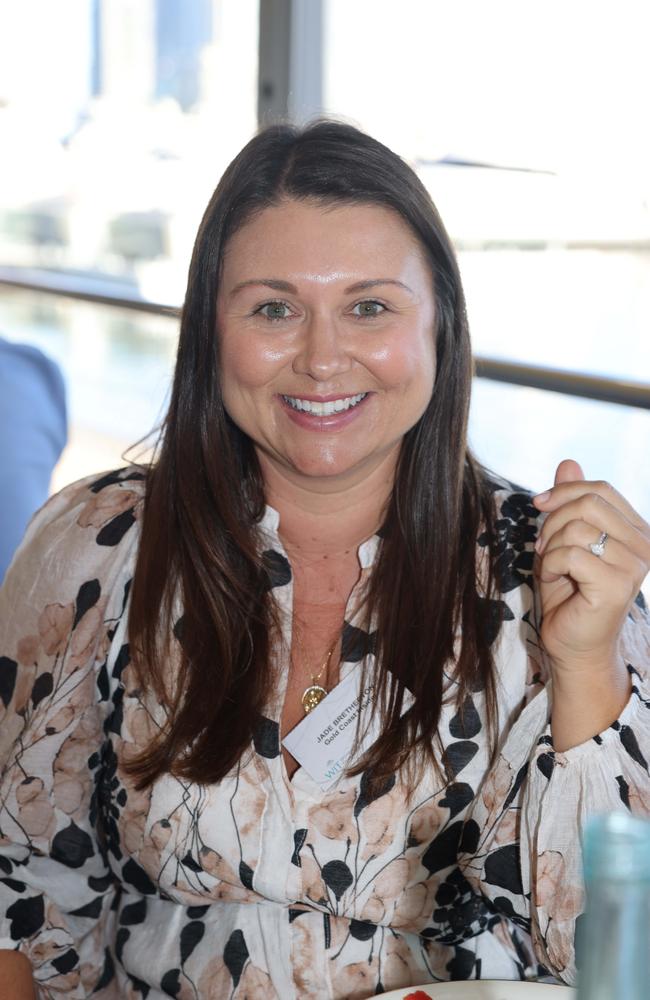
point(261, 886)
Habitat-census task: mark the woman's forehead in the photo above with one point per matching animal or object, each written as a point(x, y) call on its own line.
point(327, 241)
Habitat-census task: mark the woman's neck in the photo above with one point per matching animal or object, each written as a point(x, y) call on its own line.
point(326, 523)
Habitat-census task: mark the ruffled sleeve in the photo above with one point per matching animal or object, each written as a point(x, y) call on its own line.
point(535, 802)
point(608, 772)
point(62, 598)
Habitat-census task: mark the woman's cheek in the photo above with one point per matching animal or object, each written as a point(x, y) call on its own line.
point(252, 364)
point(404, 370)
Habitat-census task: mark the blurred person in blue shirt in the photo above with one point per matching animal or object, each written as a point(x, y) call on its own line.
point(33, 433)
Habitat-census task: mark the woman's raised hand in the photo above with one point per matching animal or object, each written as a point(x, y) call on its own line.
point(585, 596)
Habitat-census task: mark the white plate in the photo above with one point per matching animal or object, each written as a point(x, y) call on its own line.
point(485, 989)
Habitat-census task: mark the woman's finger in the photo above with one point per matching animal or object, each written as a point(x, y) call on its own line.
point(602, 586)
point(594, 510)
point(564, 493)
point(615, 553)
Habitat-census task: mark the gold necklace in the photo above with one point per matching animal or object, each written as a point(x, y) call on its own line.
point(315, 692)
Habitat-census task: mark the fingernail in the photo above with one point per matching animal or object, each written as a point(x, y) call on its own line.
point(539, 545)
point(542, 497)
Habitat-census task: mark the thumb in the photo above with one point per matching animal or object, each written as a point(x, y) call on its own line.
point(568, 471)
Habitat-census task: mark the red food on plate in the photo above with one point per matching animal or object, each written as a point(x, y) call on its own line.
point(418, 995)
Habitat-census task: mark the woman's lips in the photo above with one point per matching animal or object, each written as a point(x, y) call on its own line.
point(331, 422)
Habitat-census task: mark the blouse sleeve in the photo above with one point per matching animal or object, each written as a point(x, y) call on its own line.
point(534, 804)
point(61, 600)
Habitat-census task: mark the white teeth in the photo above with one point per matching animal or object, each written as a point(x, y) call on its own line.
point(325, 409)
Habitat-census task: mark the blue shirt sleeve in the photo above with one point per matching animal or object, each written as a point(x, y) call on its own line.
point(33, 433)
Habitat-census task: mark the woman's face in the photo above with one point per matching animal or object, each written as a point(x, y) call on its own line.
point(326, 322)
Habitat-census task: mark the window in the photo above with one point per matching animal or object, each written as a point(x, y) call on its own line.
point(117, 118)
point(526, 121)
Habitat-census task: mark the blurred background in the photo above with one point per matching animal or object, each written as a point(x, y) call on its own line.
point(524, 119)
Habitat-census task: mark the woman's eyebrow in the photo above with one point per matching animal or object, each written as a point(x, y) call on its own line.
point(361, 286)
point(278, 285)
point(275, 283)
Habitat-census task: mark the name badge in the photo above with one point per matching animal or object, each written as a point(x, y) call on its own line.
point(323, 741)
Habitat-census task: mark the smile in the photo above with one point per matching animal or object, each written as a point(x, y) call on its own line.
point(325, 409)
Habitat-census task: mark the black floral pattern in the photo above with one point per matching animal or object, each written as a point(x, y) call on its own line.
point(108, 796)
point(516, 530)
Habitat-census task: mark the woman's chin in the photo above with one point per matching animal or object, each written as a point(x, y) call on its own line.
point(326, 465)
point(329, 472)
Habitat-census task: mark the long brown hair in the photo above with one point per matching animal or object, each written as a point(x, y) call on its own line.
point(205, 496)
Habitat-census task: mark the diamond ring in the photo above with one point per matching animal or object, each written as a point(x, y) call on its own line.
point(598, 548)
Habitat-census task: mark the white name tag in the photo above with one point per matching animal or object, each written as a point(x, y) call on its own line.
point(323, 741)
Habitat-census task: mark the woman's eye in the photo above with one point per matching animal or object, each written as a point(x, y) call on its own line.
point(368, 309)
point(274, 310)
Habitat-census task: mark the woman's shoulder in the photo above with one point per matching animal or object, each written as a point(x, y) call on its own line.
point(110, 502)
point(96, 501)
point(87, 525)
point(512, 504)
point(516, 523)
point(505, 490)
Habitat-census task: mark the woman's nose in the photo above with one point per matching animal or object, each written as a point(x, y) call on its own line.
point(322, 353)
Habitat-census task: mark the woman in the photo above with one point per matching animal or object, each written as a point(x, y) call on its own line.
point(314, 558)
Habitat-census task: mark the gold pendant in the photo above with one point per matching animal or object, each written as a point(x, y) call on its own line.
point(312, 696)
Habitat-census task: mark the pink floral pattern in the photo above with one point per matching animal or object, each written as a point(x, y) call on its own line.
point(263, 887)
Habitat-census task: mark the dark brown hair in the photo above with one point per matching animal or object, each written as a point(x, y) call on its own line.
point(205, 496)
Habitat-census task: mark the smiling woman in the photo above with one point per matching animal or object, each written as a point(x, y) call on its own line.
point(276, 717)
point(325, 382)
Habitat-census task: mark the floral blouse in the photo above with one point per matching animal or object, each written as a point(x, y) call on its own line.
point(262, 886)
